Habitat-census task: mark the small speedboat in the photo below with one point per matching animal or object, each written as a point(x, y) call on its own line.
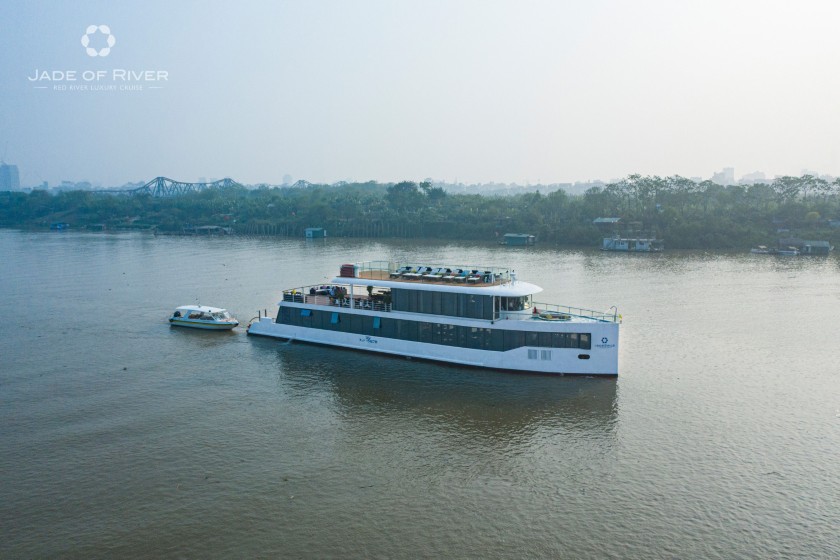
point(203, 317)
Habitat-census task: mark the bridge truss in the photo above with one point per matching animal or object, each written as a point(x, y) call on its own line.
point(162, 187)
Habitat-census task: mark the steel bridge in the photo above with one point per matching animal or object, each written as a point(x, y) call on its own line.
point(162, 187)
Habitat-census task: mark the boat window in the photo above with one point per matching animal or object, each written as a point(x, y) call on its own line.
point(448, 303)
point(377, 322)
point(514, 303)
point(334, 319)
point(449, 335)
point(514, 339)
point(305, 312)
point(426, 333)
point(585, 341)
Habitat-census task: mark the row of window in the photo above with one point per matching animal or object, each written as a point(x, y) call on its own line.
point(472, 306)
point(434, 333)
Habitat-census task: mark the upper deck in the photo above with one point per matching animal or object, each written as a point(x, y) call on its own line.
point(480, 276)
point(490, 293)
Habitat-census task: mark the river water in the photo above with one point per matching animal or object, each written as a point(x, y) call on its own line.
point(123, 437)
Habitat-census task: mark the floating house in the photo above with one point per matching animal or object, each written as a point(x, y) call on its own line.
point(633, 245)
point(807, 246)
point(519, 239)
point(315, 233)
point(815, 248)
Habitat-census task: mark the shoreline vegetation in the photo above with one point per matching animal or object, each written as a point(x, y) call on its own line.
point(686, 214)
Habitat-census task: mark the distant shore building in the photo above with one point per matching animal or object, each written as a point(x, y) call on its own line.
point(519, 239)
point(725, 177)
point(753, 178)
point(606, 223)
point(9, 177)
point(206, 230)
point(315, 233)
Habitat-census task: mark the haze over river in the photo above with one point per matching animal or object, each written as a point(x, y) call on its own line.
point(124, 437)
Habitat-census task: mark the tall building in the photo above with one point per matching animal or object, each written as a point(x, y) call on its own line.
point(752, 178)
point(725, 177)
point(9, 177)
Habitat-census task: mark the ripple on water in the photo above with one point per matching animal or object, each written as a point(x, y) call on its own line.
point(124, 437)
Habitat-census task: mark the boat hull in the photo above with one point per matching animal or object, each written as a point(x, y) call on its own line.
point(204, 325)
point(600, 360)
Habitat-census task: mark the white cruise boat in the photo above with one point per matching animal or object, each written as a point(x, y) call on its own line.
point(474, 316)
point(203, 317)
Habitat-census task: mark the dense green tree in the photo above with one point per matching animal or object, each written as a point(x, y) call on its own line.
point(686, 214)
point(405, 197)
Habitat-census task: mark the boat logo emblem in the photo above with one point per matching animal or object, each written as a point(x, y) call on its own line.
point(604, 340)
point(110, 40)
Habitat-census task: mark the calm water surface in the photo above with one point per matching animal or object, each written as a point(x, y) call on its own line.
point(123, 437)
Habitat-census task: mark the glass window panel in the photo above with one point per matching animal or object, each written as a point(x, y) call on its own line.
point(586, 340)
point(532, 339)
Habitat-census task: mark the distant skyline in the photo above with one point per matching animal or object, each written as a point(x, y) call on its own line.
point(468, 91)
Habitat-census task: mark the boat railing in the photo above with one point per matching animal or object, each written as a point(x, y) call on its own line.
point(609, 316)
point(319, 295)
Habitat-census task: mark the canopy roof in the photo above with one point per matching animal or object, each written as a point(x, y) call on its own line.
point(511, 289)
point(204, 308)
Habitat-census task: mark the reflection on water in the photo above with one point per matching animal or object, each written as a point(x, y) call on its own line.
point(488, 404)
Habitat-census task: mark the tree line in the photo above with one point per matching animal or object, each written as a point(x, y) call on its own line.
point(686, 214)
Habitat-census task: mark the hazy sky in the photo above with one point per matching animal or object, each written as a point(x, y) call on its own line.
point(478, 91)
